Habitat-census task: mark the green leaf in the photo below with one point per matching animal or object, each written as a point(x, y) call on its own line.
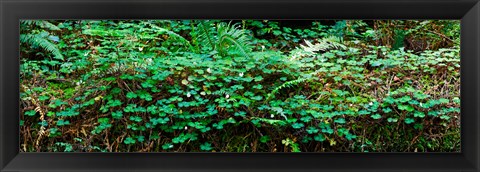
point(141, 139)
point(409, 120)
point(129, 141)
point(419, 114)
point(258, 78)
point(136, 118)
point(327, 130)
point(376, 116)
point(389, 100)
point(62, 122)
point(418, 126)
point(54, 132)
point(43, 123)
point(443, 100)
point(240, 113)
point(340, 121)
point(113, 103)
point(167, 146)
point(408, 108)
point(337, 78)
point(43, 98)
point(297, 125)
point(30, 113)
point(404, 99)
point(145, 95)
point(258, 86)
point(445, 117)
point(206, 146)
point(387, 110)
point(420, 96)
point(131, 95)
point(264, 139)
point(319, 138)
point(363, 112)
point(103, 120)
point(117, 115)
point(312, 130)
point(456, 100)
point(392, 119)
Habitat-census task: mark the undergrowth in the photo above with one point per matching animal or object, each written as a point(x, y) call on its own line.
point(240, 86)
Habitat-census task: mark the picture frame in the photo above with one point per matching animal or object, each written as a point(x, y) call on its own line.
point(468, 11)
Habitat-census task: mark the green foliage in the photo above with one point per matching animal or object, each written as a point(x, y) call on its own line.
point(246, 86)
point(40, 37)
point(206, 146)
point(129, 141)
point(226, 40)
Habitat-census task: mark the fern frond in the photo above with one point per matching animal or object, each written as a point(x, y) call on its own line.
point(226, 39)
point(41, 23)
point(40, 41)
point(238, 46)
point(279, 111)
point(120, 66)
point(235, 36)
point(285, 85)
point(303, 78)
point(161, 30)
point(324, 44)
point(204, 35)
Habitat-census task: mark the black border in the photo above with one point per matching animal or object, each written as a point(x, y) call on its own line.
point(12, 11)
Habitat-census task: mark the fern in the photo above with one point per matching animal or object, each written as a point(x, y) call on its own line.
point(226, 39)
point(204, 36)
point(231, 33)
point(161, 30)
point(324, 44)
point(120, 66)
point(304, 78)
point(41, 23)
point(287, 84)
point(39, 40)
point(279, 111)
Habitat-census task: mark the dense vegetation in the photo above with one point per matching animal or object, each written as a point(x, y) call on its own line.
point(240, 86)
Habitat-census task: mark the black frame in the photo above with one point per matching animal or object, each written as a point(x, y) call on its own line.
point(12, 11)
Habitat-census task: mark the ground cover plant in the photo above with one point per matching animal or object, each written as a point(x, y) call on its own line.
point(239, 86)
